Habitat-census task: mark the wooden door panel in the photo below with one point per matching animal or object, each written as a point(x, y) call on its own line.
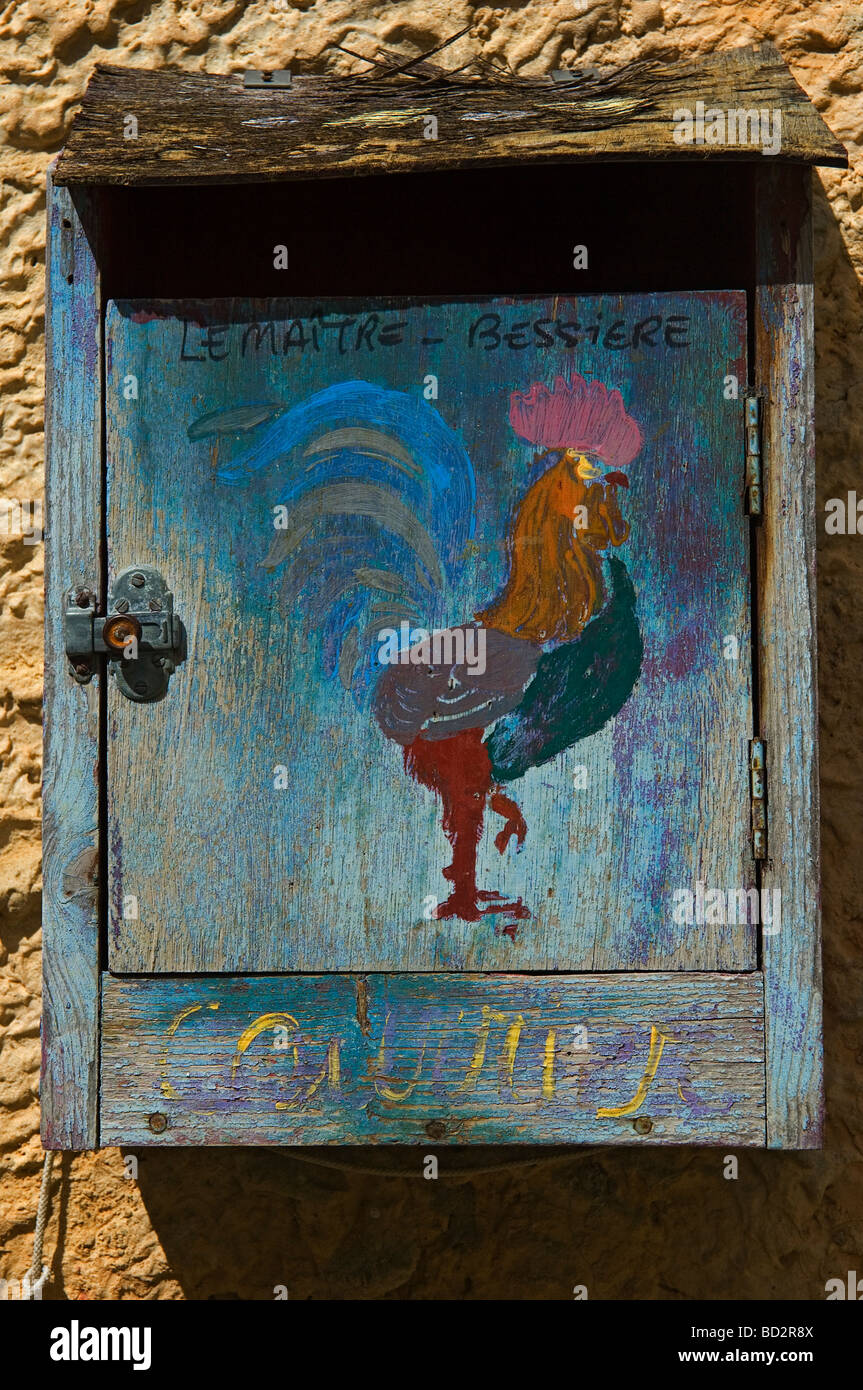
point(317, 1059)
point(261, 817)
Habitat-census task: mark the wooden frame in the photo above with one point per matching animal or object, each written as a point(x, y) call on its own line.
point(178, 1054)
point(787, 668)
point(73, 556)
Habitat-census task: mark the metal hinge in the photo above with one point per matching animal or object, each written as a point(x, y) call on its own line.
point(758, 798)
point(141, 635)
point(279, 77)
point(753, 455)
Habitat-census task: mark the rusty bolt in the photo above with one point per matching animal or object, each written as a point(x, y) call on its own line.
point(122, 605)
point(155, 605)
point(82, 669)
point(642, 1125)
point(120, 630)
point(138, 580)
point(82, 598)
point(435, 1129)
point(158, 1123)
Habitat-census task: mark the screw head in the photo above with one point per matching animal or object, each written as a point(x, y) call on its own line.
point(138, 580)
point(140, 687)
point(435, 1129)
point(82, 598)
point(642, 1125)
point(122, 605)
point(155, 605)
point(157, 1122)
point(82, 669)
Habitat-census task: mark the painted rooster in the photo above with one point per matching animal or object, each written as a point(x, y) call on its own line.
point(376, 526)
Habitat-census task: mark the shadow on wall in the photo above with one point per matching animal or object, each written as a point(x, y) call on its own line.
point(626, 1224)
point(239, 1223)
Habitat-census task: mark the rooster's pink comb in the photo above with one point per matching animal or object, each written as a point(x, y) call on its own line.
point(582, 415)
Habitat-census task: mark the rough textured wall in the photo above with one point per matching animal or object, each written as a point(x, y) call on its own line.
point(235, 1223)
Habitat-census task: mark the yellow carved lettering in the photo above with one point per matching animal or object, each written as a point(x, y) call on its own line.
point(657, 1042)
point(548, 1066)
point(388, 1092)
point(262, 1024)
point(164, 1084)
point(331, 1070)
point(510, 1047)
point(334, 1064)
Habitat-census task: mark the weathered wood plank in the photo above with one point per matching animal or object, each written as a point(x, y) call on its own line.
point(70, 835)
point(408, 1059)
point(338, 860)
point(205, 128)
point(785, 545)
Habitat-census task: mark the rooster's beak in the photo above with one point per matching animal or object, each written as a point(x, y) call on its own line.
point(589, 473)
point(585, 470)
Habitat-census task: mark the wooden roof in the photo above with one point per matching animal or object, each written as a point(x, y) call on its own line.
point(201, 128)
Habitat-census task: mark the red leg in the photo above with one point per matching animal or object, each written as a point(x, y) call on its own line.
point(458, 769)
point(515, 822)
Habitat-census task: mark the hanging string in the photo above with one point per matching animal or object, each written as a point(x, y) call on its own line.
point(38, 1274)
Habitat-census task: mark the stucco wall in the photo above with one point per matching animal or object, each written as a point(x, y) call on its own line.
point(234, 1224)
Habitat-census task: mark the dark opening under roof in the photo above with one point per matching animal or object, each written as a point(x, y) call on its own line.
point(199, 128)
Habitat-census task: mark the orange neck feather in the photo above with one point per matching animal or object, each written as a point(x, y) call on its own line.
point(555, 583)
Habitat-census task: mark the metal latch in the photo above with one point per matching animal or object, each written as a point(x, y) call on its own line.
point(141, 635)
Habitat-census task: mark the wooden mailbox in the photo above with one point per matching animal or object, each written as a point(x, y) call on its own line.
point(430, 668)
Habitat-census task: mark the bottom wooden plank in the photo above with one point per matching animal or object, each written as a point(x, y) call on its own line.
point(406, 1059)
